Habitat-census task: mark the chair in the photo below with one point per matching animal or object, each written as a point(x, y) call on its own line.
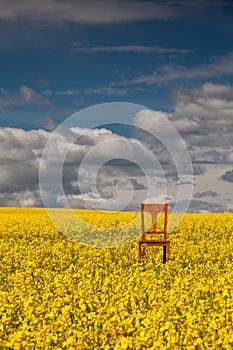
point(154, 210)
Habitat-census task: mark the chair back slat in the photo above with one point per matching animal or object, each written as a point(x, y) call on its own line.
point(154, 210)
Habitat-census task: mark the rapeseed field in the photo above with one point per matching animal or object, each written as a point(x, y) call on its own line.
point(57, 293)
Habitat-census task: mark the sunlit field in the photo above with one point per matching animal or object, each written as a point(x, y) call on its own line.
point(57, 293)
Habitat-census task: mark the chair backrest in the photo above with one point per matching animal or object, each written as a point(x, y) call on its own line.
point(154, 210)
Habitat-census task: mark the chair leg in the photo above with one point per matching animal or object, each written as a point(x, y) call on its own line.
point(168, 251)
point(141, 248)
point(139, 252)
point(164, 254)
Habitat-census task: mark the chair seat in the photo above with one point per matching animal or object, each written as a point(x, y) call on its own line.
point(150, 242)
point(154, 232)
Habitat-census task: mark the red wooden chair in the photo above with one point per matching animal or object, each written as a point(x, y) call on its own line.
point(154, 210)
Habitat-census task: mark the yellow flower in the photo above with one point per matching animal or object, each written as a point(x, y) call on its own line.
point(59, 294)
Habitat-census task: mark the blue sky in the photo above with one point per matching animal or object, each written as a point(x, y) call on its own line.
point(58, 57)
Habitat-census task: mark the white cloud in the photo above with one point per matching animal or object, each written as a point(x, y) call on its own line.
point(24, 96)
point(101, 11)
point(229, 156)
point(230, 207)
point(129, 49)
point(204, 118)
point(203, 115)
point(209, 100)
point(20, 153)
point(108, 90)
point(153, 119)
point(90, 11)
point(117, 91)
point(20, 199)
point(66, 92)
point(165, 142)
point(19, 145)
point(160, 198)
point(219, 66)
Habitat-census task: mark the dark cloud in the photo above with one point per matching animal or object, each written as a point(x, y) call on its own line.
point(228, 176)
point(210, 156)
point(122, 167)
point(137, 185)
point(203, 206)
point(18, 176)
point(206, 194)
point(199, 169)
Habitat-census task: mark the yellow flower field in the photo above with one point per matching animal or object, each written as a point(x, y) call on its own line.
point(57, 293)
